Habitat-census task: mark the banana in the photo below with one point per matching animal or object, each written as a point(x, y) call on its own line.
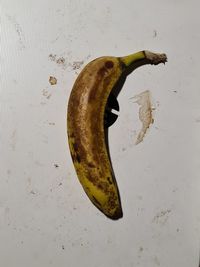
point(85, 126)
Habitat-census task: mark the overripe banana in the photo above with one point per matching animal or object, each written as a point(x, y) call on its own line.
point(85, 126)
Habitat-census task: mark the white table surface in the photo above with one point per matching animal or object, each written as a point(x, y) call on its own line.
point(45, 217)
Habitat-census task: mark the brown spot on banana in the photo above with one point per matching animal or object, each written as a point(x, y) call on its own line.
point(85, 127)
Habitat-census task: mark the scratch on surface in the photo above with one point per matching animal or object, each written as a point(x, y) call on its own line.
point(161, 217)
point(13, 139)
point(145, 113)
point(46, 93)
point(156, 261)
point(18, 30)
point(155, 34)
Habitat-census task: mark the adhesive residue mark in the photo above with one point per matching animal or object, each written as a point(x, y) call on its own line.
point(145, 113)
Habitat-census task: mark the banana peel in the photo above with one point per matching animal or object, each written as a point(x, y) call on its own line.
point(86, 126)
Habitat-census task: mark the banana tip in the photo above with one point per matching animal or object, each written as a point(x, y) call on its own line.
point(117, 215)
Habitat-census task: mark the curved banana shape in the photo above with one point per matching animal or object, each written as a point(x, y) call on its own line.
point(85, 126)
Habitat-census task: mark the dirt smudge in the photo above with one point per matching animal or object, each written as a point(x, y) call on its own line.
point(161, 217)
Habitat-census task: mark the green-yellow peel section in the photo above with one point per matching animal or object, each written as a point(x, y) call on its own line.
point(128, 60)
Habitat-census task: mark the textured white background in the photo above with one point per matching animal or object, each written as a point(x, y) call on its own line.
point(45, 217)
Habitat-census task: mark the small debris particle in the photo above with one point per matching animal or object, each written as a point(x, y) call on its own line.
point(56, 165)
point(60, 184)
point(63, 247)
point(52, 123)
point(177, 230)
point(32, 192)
point(141, 249)
point(155, 34)
point(52, 80)
point(77, 65)
point(52, 57)
point(46, 93)
point(175, 91)
point(60, 60)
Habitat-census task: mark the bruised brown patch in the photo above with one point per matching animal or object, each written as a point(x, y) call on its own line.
point(94, 90)
point(102, 185)
point(91, 165)
point(112, 200)
point(109, 64)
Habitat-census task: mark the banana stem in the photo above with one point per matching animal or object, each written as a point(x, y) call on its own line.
point(143, 57)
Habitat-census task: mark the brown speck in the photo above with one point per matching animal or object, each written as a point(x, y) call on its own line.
point(177, 230)
point(52, 123)
point(63, 247)
point(175, 91)
point(56, 165)
point(91, 165)
point(52, 80)
point(60, 184)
